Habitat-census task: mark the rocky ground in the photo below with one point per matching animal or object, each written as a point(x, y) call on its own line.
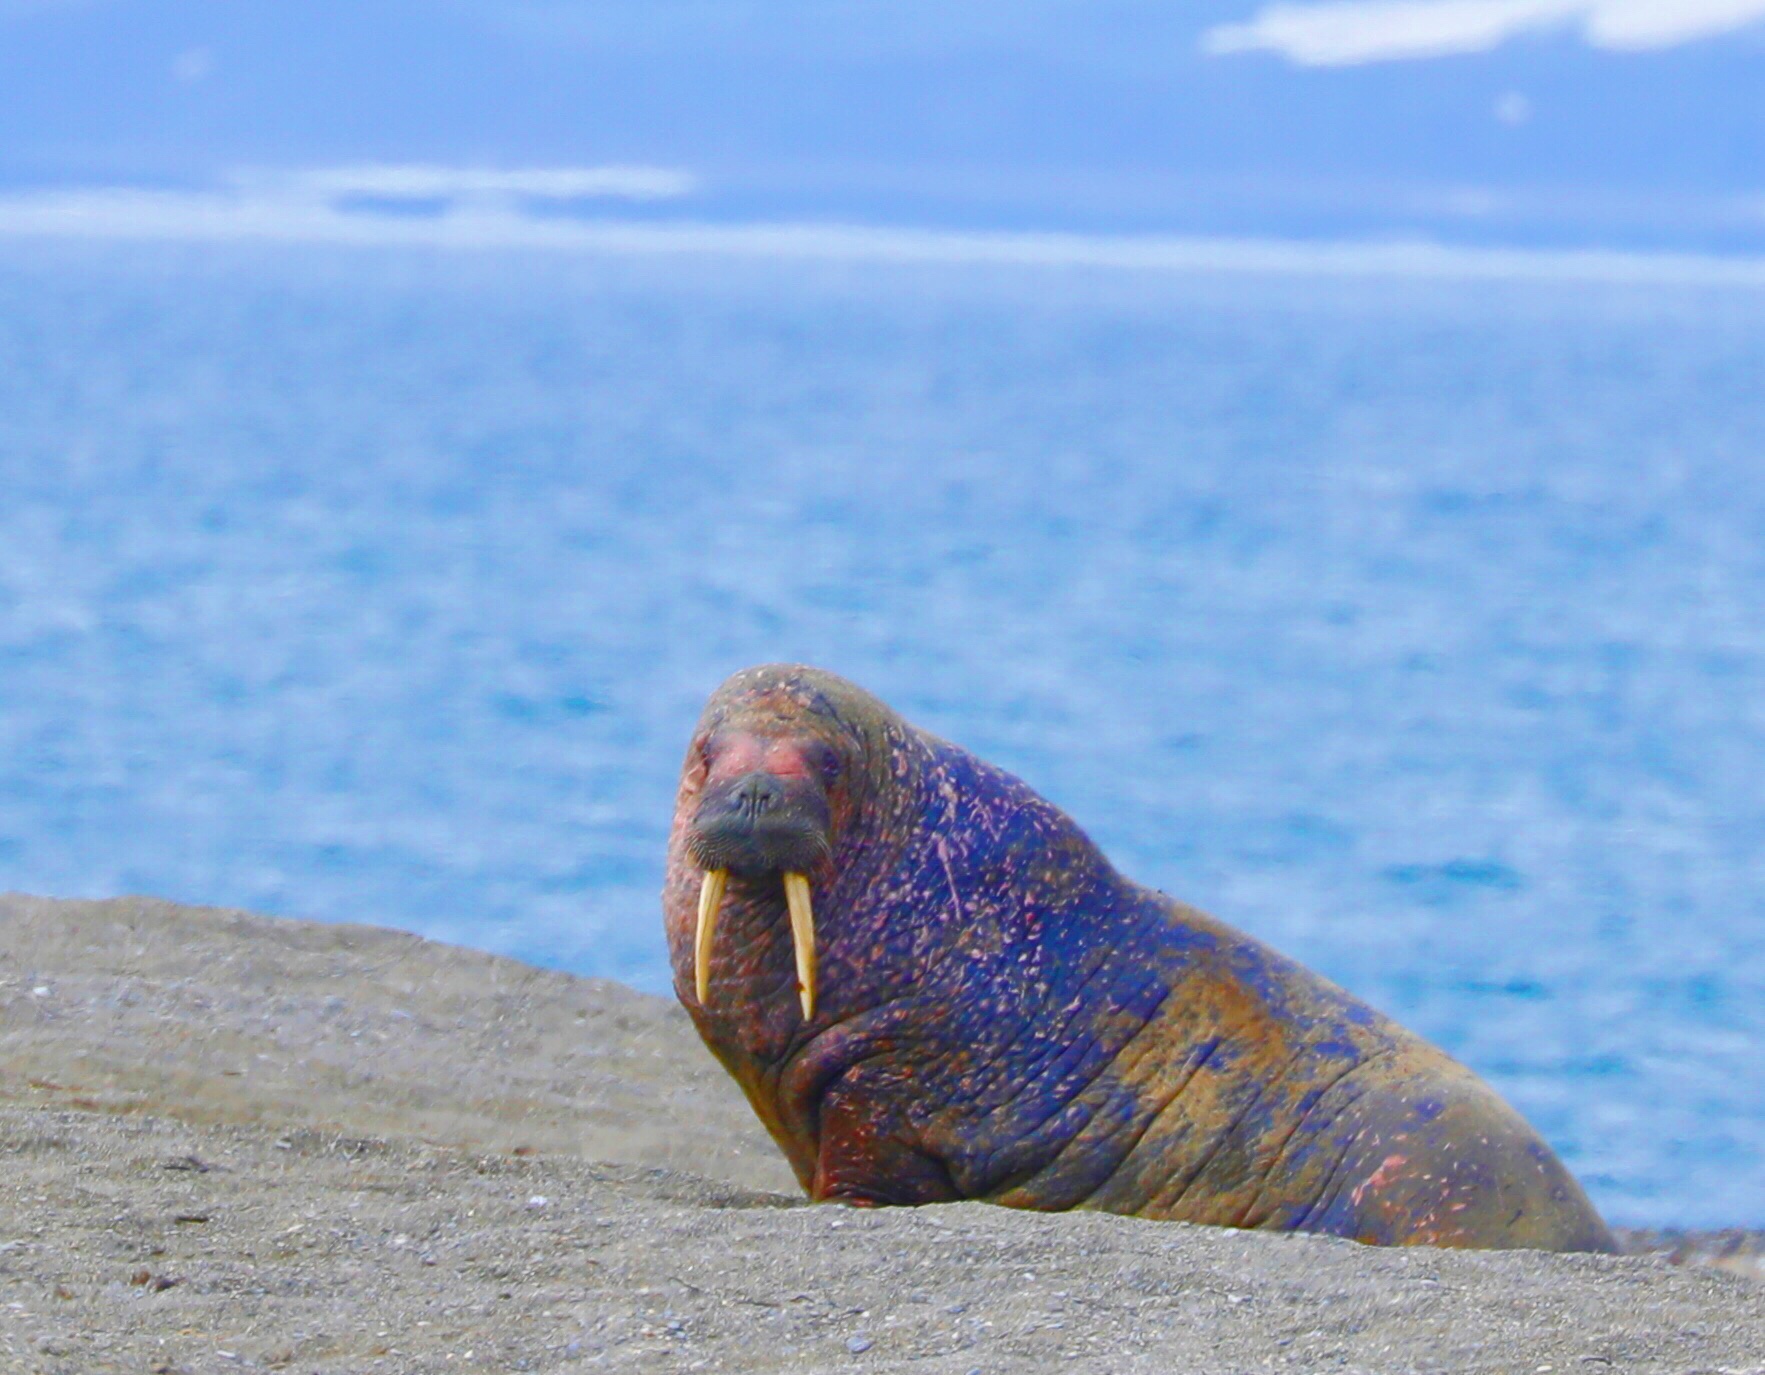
point(231, 1143)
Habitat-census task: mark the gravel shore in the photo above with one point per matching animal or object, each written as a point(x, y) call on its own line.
point(236, 1143)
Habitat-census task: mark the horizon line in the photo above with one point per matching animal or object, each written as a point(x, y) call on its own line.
point(121, 214)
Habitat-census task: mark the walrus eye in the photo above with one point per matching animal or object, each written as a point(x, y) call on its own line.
point(827, 762)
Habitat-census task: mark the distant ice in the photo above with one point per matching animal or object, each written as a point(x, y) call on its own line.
point(424, 180)
point(314, 208)
point(1350, 32)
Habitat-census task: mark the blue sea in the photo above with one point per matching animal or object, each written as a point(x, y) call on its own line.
point(1416, 627)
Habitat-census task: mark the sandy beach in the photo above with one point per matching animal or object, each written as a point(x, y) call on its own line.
point(236, 1143)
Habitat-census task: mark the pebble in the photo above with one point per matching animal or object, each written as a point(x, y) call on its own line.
point(858, 1345)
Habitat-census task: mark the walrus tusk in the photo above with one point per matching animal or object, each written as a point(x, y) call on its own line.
point(710, 899)
point(796, 894)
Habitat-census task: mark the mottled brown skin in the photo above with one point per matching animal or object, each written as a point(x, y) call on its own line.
point(1003, 1016)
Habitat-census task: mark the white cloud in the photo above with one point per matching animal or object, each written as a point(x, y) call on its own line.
point(121, 214)
point(1348, 32)
point(1512, 108)
point(192, 65)
point(434, 181)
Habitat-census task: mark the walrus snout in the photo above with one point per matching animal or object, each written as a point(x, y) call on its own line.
point(760, 824)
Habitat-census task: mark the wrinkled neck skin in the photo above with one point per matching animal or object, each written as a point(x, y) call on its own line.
point(966, 929)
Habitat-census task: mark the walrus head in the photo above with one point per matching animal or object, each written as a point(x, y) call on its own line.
point(772, 780)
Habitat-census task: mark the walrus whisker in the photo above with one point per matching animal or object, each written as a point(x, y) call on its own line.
point(710, 899)
point(796, 894)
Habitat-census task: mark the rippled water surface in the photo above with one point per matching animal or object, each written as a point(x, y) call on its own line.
point(1418, 629)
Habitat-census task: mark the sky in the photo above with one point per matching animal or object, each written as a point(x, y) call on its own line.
point(1614, 124)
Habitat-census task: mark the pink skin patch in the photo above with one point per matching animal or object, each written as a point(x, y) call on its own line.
point(743, 753)
point(1380, 1177)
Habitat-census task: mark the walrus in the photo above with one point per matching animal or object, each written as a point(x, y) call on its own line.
point(931, 986)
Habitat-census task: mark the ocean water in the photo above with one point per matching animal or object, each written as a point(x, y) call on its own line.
point(1417, 628)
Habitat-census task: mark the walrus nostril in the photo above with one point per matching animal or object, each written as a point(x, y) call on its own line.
point(758, 794)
